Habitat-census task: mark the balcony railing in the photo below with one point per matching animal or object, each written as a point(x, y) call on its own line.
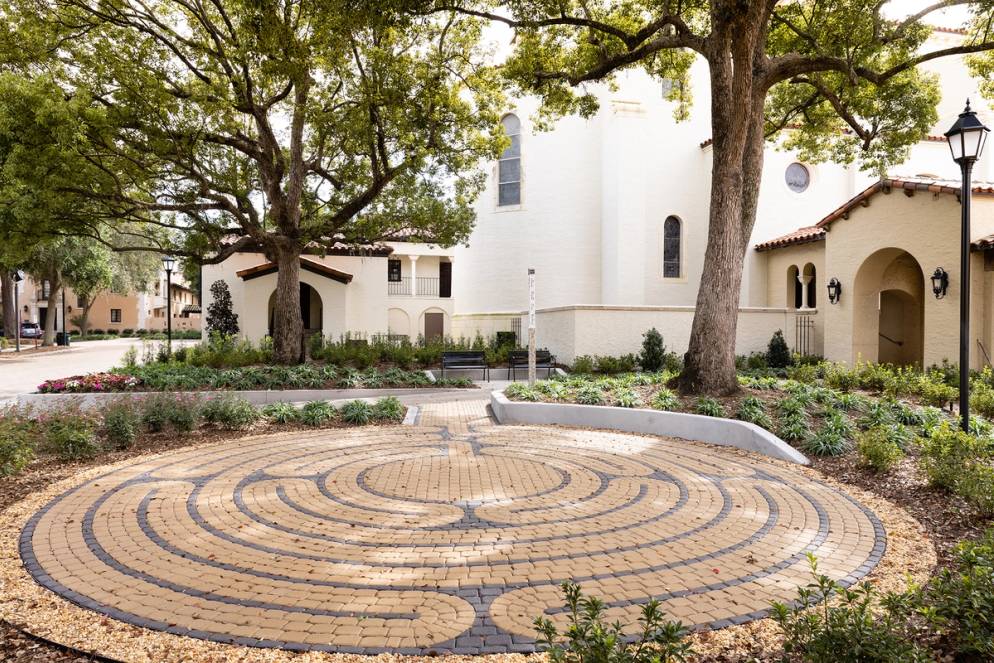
point(401, 287)
point(427, 286)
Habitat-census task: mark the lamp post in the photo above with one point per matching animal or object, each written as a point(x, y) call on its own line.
point(966, 142)
point(168, 262)
point(18, 276)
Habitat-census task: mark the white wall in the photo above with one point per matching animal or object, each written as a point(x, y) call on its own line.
point(569, 332)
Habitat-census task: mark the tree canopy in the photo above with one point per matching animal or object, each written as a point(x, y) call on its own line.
point(273, 126)
point(836, 79)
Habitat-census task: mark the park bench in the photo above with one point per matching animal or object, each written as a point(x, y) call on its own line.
point(465, 360)
point(519, 359)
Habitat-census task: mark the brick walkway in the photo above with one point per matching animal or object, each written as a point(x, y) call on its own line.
point(448, 536)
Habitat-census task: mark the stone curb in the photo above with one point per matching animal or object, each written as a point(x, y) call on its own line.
point(46, 402)
point(715, 430)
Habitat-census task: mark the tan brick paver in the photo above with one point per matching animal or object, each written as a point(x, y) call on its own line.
point(450, 535)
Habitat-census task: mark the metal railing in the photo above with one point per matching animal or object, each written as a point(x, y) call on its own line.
point(804, 334)
point(401, 287)
point(427, 286)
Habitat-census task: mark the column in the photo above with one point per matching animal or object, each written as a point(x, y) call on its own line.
point(414, 275)
point(804, 279)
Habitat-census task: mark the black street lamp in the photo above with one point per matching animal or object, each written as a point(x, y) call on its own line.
point(168, 262)
point(940, 282)
point(18, 276)
point(966, 142)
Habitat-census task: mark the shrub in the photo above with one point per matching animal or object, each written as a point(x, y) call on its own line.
point(521, 391)
point(589, 395)
point(859, 627)
point(221, 320)
point(794, 428)
point(154, 414)
point(183, 413)
point(947, 453)
point(122, 423)
point(71, 435)
point(389, 409)
point(877, 450)
point(838, 424)
point(826, 442)
point(17, 441)
point(280, 413)
point(589, 639)
point(653, 353)
point(976, 486)
point(627, 398)
point(777, 353)
point(806, 373)
point(665, 400)
point(751, 409)
point(839, 377)
point(937, 394)
point(962, 599)
point(709, 407)
point(317, 413)
point(877, 414)
point(230, 412)
point(357, 412)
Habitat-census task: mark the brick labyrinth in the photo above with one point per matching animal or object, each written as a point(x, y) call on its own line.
point(415, 539)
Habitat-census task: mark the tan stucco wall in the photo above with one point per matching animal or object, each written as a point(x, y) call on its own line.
point(927, 227)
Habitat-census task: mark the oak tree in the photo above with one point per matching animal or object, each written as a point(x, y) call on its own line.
point(840, 77)
point(278, 126)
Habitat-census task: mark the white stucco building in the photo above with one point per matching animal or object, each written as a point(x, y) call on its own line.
point(612, 212)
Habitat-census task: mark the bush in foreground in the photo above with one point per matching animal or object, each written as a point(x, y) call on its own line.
point(230, 413)
point(17, 441)
point(878, 450)
point(590, 639)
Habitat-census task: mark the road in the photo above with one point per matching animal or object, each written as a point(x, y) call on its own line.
point(19, 375)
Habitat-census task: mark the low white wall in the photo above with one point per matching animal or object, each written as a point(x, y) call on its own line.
point(714, 430)
point(572, 331)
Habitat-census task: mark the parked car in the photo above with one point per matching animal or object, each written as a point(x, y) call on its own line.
point(31, 330)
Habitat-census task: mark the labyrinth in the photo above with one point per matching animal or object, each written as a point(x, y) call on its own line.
point(412, 540)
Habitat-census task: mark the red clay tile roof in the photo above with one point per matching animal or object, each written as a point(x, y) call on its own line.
point(305, 263)
point(907, 184)
point(799, 236)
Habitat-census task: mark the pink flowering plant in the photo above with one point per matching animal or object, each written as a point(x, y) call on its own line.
point(91, 383)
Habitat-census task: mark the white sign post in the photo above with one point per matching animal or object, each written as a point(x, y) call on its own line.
point(531, 326)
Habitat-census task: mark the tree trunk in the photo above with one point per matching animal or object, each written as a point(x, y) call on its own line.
point(7, 286)
point(288, 327)
point(84, 319)
point(53, 311)
point(737, 123)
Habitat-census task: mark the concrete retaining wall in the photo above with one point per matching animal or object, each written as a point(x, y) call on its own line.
point(725, 432)
point(45, 402)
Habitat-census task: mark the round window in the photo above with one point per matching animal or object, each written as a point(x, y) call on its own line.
point(798, 178)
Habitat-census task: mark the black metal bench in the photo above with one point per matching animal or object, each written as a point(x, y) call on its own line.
point(465, 360)
point(519, 359)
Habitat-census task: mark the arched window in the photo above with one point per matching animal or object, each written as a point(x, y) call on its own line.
point(671, 247)
point(811, 286)
point(509, 165)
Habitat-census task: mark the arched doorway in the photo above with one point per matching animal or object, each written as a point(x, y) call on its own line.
point(311, 310)
point(889, 309)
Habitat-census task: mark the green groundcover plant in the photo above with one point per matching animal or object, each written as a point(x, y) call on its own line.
point(73, 434)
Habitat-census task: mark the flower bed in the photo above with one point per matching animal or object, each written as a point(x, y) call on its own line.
point(91, 383)
point(174, 376)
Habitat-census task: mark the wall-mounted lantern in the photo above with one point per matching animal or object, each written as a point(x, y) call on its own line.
point(834, 290)
point(940, 282)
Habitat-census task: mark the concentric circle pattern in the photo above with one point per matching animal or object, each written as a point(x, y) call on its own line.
point(413, 540)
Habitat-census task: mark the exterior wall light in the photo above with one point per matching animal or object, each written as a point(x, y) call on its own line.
point(834, 290)
point(940, 282)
